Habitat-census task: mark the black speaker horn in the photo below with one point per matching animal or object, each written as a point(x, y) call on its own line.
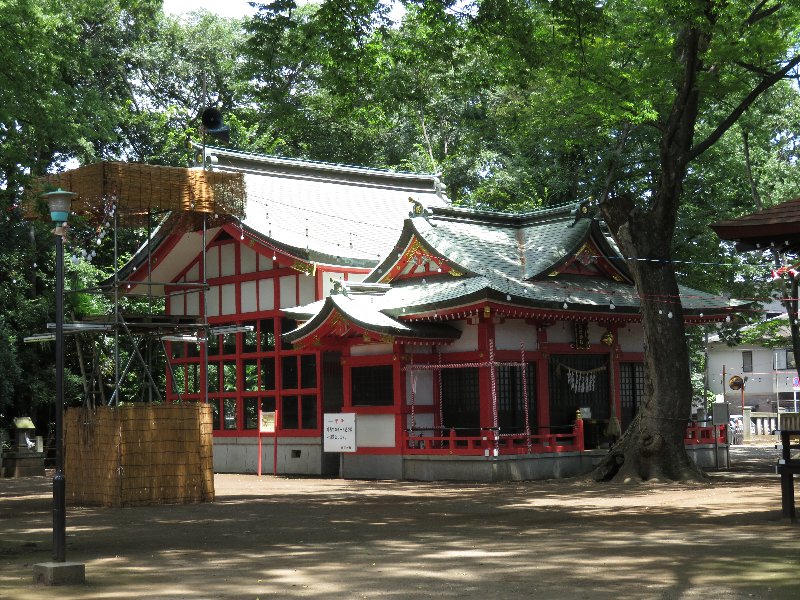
point(214, 125)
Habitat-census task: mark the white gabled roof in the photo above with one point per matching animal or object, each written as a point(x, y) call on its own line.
point(340, 211)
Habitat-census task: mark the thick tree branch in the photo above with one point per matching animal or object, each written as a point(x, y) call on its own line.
point(737, 112)
point(754, 68)
point(759, 14)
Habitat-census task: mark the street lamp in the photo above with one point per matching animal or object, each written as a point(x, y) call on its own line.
point(59, 203)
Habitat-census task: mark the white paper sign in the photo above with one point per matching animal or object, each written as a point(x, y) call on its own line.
point(339, 432)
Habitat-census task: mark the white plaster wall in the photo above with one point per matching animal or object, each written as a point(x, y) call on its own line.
point(212, 262)
point(247, 260)
point(562, 332)
point(514, 333)
point(212, 298)
point(228, 259)
point(266, 294)
point(193, 303)
point(248, 299)
point(375, 431)
point(193, 274)
point(176, 304)
point(264, 263)
point(228, 299)
point(468, 342)
point(371, 349)
point(424, 386)
point(288, 291)
point(308, 290)
point(630, 338)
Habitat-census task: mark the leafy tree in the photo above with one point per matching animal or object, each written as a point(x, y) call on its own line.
point(61, 95)
point(662, 102)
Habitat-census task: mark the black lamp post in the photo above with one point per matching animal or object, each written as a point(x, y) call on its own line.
point(60, 203)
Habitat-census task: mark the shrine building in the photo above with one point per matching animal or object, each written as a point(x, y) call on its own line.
point(468, 344)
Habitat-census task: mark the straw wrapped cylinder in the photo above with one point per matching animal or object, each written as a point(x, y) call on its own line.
point(138, 189)
point(139, 454)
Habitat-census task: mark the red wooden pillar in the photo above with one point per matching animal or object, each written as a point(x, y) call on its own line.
point(347, 395)
point(400, 405)
point(485, 336)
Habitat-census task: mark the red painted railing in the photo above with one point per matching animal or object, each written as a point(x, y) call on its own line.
point(490, 442)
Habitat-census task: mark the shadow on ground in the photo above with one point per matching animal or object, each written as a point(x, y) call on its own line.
point(321, 538)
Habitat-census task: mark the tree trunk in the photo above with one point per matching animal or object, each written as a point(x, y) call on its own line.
point(652, 447)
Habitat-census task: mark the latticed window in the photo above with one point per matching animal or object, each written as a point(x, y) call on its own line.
point(511, 398)
point(631, 384)
point(244, 369)
point(372, 386)
point(461, 398)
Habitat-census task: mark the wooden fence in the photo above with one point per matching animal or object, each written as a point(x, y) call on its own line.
point(139, 454)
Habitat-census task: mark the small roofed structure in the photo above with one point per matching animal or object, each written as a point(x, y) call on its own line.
point(776, 227)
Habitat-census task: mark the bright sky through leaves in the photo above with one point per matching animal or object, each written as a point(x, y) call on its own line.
point(223, 8)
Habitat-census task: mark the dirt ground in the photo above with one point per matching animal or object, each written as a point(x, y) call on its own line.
point(273, 538)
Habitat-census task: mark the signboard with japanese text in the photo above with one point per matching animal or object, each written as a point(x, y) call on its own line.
point(268, 422)
point(339, 432)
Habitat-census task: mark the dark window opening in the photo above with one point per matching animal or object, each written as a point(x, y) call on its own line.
point(461, 400)
point(308, 412)
point(287, 325)
point(747, 361)
point(215, 423)
point(251, 413)
point(289, 372)
point(308, 371)
point(250, 340)
point(631, 385)
point(229, 405)
point(229, 343)
point(267, 373)
point(372, 386)
point(290, 415)
point(267, 335)
point(212, 378)
point(510, 398)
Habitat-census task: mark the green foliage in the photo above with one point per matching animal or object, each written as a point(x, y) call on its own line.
point(772, 333)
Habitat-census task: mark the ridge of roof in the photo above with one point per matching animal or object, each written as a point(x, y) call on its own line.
point(559, 212)
point(315, 165)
